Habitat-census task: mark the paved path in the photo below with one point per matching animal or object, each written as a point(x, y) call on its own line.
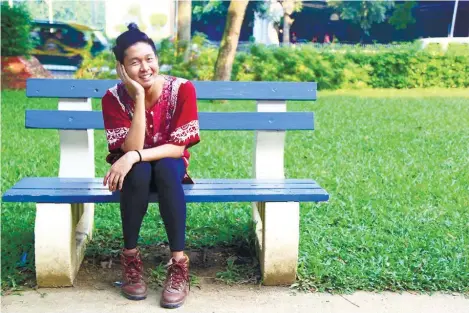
point(224, 299)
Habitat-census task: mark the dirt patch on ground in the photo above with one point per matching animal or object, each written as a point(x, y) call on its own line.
point(215, 265)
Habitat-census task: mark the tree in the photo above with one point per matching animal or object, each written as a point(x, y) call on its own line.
point(364, 13)
point(184, 18)
point(229, 42)
point(158, 20)
point(15, 30)
point(402, 15)
point(289, 6)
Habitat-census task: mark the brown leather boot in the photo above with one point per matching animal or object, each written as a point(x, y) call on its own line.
point(133, 287)
point(176, 285)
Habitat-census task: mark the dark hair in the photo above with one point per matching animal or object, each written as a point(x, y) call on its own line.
point(129, 38)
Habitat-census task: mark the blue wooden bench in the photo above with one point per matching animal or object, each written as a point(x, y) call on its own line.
point(65, 204)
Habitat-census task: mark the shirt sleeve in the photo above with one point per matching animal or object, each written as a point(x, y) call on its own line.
point(116, 121)
point(184, 128)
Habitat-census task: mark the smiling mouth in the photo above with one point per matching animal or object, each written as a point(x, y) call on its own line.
point(146, 76)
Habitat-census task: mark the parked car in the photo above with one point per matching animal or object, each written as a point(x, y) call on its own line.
point(61, 43)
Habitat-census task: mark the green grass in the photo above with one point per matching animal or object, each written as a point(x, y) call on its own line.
point(395, 163)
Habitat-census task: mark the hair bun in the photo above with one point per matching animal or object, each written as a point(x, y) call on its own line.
point(132, 26)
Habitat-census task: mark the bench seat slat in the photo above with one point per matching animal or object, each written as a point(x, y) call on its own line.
point(46, 182)
point(207, 90)
point(197, 186)
point(81, 120)
point(245, 192)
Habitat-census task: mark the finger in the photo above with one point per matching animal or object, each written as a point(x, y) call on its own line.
point(115, 182)
point(106, 178)
point(119, 70)
point(111, 181)
point(121, 182)
point(124, 72)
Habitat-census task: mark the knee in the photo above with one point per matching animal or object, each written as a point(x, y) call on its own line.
point(168, 169)
point(138, 177)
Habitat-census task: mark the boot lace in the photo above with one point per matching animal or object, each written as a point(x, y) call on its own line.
point(133, 268)
point(178, 275)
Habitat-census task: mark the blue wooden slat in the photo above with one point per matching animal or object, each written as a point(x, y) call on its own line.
point(211, 90)
point(98, 185)
point(102, 196)
point(33, 182)
point(52, 119)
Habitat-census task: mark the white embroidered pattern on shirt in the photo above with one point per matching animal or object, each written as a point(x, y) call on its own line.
point(186, 131)
point(115, 134)
point(174, 93)
point(113, 90)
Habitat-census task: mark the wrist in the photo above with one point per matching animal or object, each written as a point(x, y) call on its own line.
point(140, 96)
point(133, 156)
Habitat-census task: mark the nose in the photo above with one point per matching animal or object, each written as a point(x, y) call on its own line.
point(144, 67)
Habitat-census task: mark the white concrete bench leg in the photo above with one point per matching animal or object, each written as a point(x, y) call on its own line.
point(62, 230)
point(278, 238)
point(61, 233)
point(277, 223)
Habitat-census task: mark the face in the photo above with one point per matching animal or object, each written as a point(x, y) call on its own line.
point(141, 64)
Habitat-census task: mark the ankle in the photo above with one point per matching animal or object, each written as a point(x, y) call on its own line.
point(130, 252)
point(177, 255)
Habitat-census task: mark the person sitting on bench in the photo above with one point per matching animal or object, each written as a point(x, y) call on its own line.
point(150, 121)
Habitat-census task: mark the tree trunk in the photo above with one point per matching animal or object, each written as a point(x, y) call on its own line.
point(229, 43)
point(286, 28)
point(184, 26)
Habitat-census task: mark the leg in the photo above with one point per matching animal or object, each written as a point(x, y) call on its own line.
point(134, 204)
point(167, 177)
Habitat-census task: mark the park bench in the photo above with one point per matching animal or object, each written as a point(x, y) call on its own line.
point(65, 204)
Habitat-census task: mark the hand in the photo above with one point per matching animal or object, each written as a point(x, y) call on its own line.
point(133, 88)
point(115, 176)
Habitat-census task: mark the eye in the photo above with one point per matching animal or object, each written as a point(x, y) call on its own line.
point(150, 59)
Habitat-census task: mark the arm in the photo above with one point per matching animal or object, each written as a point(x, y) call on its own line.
point(135, 138)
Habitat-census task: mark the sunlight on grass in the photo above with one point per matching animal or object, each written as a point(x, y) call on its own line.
point(394, 162)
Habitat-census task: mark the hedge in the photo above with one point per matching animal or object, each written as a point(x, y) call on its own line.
point(407, 66)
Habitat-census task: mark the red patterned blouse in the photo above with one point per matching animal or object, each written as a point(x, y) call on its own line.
point(172, 119)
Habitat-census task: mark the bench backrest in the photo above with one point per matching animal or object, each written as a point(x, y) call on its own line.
point(75, 119)
point(206, 90)
point(82, 120)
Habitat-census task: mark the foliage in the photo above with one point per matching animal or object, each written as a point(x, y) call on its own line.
point(16, 27)
point(83, 12)
point(202, 8)
point(402, 15)
point(101, 66)
point(158, 20)
point(406, 66)
point(363, 13)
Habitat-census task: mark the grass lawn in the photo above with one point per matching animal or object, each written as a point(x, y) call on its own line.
point(394, 162)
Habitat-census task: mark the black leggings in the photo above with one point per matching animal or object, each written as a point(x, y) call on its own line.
point(165, 177)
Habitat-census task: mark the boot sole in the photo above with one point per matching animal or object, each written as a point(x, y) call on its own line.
point(171, 305)
point(135, 298)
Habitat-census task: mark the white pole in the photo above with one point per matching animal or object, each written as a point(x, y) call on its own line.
point(51, 17)
point(454, 17)
point(10, 3)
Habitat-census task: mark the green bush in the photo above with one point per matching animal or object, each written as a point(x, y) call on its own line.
point(102, 66)
point(406, 66)
point(16, 26)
